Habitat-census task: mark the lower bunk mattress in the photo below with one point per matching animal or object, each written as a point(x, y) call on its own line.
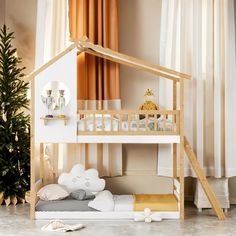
point(63, 205)
point(123, 203)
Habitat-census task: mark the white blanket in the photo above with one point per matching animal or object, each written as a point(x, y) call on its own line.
point(106, 202)
point(123, 202)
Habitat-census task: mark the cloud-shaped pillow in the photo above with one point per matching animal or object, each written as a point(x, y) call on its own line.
point(79, 178)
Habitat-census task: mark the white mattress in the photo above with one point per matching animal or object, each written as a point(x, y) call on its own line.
point(106, 126)
point(123, 203)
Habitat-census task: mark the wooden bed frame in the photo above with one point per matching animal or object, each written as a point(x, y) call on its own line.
point(175, 137)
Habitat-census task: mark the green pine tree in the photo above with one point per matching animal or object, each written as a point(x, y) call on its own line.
point(14, 123)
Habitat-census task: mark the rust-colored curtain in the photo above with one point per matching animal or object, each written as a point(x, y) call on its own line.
point(98, 79)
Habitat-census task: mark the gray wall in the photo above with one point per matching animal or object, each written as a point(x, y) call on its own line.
point(139, 24)
point(2, 12)
point(20, 17)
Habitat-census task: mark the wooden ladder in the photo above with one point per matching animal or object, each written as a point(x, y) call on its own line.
point(202, 178)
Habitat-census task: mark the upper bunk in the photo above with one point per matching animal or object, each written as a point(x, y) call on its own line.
point(54, 87)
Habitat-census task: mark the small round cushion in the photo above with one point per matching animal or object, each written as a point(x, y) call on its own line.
point(81, 194)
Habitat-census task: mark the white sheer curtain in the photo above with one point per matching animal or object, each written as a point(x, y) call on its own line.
point(198, 37)
point(52, 37)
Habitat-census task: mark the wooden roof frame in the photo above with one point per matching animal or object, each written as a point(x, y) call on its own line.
point(84, 45)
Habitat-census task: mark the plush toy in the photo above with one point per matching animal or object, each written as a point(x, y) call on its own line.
point(148, 104)
point(147, 216)
point(149, 101)
point(79, 178)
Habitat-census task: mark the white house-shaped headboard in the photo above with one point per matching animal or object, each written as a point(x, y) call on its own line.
point(62, 72)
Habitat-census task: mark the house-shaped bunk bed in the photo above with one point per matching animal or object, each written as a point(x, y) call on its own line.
point(108, 126)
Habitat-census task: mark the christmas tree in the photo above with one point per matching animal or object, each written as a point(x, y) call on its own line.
point(14, 123)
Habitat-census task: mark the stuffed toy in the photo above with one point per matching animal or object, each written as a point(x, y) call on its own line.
point(149, 101)
point(79, 178)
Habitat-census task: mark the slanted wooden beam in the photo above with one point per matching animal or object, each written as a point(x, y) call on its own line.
point(84, 45)
point(202, 178)
point(50, 62)
point(114, 56)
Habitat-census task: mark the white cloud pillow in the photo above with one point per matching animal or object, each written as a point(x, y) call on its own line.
point(52, 192)
point(79, 178)
point(103, 201)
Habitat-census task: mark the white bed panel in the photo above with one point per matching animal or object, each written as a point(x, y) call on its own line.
point(177, 185)
point(98, 215)
point(128, 139)
point(176, 193)
point(65, 71)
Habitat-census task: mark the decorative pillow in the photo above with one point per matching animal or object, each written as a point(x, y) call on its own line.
point(103, 201)
point(81, 194)
point(52, 192)
point(79, 178)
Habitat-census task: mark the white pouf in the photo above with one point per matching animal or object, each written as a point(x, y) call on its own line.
point(221, 189)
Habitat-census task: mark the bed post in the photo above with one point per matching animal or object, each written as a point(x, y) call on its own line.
point(181, 150)
point(41, 173)
point(32, 153)
point(174, 144)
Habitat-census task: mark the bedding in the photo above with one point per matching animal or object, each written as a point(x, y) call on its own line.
point(81, 194)
point(155, 202)
point(119, 203)
point(52, 192)
point(103, 201)
point(134, 124)
point(123, 203)
point(68, 204)
point(106, 202)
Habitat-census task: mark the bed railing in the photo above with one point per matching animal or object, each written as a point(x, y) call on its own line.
point(128, 122)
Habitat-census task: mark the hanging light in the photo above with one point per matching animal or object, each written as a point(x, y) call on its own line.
point(16, 137)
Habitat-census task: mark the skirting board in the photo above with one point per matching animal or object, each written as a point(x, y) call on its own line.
point(98, 215)
point(232, 200)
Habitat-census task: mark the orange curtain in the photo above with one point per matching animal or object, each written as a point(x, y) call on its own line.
point(98, 79)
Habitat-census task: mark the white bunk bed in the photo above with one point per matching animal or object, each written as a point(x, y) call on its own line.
point(116, 127)
point(107, 126)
